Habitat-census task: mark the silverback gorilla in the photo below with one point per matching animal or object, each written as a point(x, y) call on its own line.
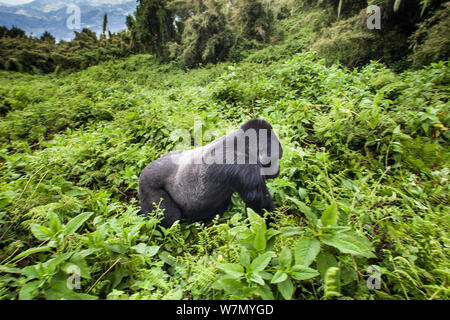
point(196, 185)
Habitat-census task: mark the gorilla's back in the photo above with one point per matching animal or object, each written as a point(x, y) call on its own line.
point(189, 187)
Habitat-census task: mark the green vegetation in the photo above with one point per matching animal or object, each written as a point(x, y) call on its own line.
point(364, 176)
point(364, 182)
point(19, 52)
point(193, 33)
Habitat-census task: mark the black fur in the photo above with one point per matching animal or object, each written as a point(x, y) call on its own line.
point(197, 191)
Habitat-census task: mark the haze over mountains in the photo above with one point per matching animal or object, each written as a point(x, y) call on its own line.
point(52, 15)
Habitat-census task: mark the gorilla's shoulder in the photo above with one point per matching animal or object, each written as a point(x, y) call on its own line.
point(256, 124)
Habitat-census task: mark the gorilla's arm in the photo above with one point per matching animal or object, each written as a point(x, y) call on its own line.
point(258, 199)
point(151, 195)
point(252, 188)
point(151, 190)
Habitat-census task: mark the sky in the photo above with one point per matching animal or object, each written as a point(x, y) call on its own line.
point(15, 1)
point(27, 1)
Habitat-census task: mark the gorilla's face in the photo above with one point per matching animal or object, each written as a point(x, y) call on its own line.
point(269, 153)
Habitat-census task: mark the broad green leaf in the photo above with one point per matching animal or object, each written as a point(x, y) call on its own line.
point(55, 223)
point(60, 291)
point(271, 233)
point(302, 193)
point(30, 290)
point(245, 257)
point(349, 242)
point(311, 216)
point(265, 275)
point(261, 262)
point(235, 219)
point(256, 277)
point(306, 251)
point(76, 222)
point(175, 295)
point(167, 258)
point(31, 272)
point(301, 272)
point(231, 286)
point(116, 247)
point(255, 219)
point(77, 192)
point(329, 216)
point(286, 289)
point(325, 260)
point(57, 259)
point(265, 292)
point(278, 277)
point(78, 261)
point(146, 251)
point(373, 121)
point(233, 269)
point(292, 231)
point(285, 258)
point(260, 239)
point(11, 270)
point(86, 252)
point(245, 292)
point(32, 251)
point(117, 276)
point(40, 232)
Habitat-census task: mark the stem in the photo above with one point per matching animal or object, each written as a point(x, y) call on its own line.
point(116, 262)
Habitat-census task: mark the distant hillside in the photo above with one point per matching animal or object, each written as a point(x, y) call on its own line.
point(51, 15)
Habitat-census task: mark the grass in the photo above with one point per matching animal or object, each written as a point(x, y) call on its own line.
point(364, 182)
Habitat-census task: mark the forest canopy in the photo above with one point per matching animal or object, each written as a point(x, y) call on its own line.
point(194, 32)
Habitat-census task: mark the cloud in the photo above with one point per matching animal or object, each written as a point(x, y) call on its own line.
point(15, 2)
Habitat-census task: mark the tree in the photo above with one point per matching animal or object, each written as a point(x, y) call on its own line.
point(14, 32)
point(206, 37)
point(153, 26)
point(105, 23)
point(251, 19)
point(47, 37)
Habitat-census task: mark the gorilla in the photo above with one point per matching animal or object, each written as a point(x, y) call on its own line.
point(197, 184)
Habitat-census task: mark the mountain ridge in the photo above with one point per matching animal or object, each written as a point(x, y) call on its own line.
point(51, 15)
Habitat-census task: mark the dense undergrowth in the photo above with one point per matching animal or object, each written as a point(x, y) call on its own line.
point(364, 182)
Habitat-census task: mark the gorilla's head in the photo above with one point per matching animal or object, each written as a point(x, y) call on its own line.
point(269, 150)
